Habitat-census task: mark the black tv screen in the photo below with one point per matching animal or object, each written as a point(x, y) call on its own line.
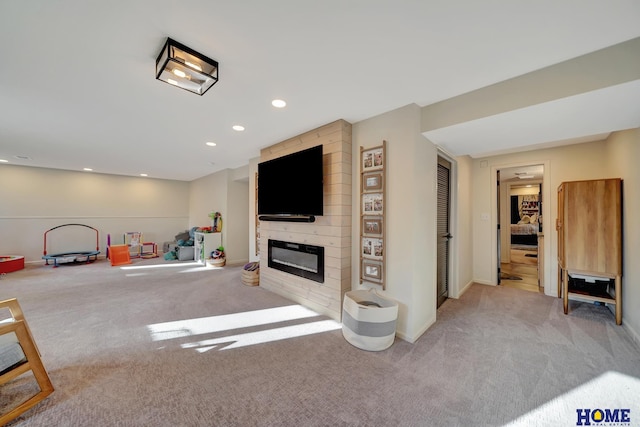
point(292, 184)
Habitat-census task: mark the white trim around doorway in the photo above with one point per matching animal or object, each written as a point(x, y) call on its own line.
point(547, 225)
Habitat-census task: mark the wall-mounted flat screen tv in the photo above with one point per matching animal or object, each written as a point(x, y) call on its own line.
point(291, 184)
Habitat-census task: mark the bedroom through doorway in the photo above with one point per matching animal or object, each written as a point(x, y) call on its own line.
point(520, 218)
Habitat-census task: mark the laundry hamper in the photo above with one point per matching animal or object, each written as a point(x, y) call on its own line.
point(369, 320)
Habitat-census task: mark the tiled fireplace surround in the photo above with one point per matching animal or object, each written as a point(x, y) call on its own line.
point(331, 230)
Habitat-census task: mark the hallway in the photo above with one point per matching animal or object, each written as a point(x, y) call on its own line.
point(522, 272)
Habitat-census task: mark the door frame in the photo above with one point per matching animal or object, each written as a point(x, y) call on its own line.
point(507, 214)
point(547, 224)
point(454, 286)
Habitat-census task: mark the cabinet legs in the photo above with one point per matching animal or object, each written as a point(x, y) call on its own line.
point(559, 281)
point(565, 291)
point(618, 300)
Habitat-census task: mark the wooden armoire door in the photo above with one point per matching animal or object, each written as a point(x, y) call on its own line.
point(589, 228)
point(559, 223)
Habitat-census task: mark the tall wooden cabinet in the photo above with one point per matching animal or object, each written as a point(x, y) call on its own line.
point(589, 226)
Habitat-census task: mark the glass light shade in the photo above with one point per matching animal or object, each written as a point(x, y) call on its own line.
point(185, 68)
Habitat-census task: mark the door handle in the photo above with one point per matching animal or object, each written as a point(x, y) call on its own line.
point(448, 236)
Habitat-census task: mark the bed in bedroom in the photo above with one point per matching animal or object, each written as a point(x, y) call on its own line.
point(525, 232)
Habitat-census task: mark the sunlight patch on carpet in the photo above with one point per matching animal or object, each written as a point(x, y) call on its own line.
point(189, 267)
point(226, 322)
point(261, 337)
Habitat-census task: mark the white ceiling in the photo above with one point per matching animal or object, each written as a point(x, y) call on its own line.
point(524, 174)
point(77, 84)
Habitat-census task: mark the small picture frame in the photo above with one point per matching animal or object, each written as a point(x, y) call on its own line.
point(372, 181)
point(372, 203)
point(372, 158)
point(372, 271)
point(372, 226)
point(372, 248)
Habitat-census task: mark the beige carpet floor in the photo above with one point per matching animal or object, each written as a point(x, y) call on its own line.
point(172, 344)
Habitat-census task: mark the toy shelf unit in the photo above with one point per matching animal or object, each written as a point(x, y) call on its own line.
point(204, 244)
point(138, 248)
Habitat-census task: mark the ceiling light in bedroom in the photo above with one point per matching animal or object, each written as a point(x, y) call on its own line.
point(238, 128)
point(525, 176)
point(196, 72)
point(278, 103)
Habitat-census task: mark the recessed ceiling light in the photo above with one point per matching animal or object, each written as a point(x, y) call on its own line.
point(87, 169)
point(525, 176)
point(210, 144)
point(238, 128)
point(4, 161)
point(278, 103)
point(143, 174)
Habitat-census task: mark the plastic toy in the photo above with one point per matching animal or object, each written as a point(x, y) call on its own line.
point(70, 257)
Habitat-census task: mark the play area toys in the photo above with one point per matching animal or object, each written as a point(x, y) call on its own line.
point(70, 257)
point(11, 263)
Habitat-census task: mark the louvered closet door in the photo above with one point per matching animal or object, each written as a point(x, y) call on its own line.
point(444, 235)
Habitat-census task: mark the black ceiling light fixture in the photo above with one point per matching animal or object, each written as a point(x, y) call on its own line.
point(185, 68)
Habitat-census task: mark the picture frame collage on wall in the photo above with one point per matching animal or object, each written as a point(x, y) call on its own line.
point(372, 208)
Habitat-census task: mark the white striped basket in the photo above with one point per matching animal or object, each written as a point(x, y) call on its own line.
point(369, 320)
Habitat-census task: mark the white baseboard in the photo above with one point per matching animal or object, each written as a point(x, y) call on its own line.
point(417, 335)
point(484, 282)
point(465, 288)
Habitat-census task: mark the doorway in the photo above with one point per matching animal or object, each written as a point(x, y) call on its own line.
point(520, 227)
point(443, 229)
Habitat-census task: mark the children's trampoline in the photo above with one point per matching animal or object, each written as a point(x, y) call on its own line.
point(74, 257)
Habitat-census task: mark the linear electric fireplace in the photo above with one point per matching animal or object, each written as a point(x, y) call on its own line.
point(296, 258)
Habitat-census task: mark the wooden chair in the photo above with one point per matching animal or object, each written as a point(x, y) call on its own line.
point(18, 355)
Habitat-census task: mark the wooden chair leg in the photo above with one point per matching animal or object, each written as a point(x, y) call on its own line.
point(33, 362)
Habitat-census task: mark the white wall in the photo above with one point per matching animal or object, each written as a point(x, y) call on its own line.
point(33, 200)
point(208, 194)
point(524, 191)
point(410, 215)
point(624, 154)
point(227, 192)
point(238, 208)
point(462, 247)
